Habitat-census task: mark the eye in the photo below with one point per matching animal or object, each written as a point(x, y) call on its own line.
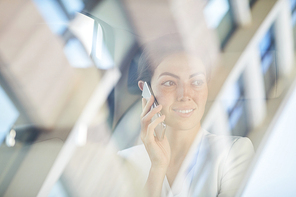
point(198, 83)
point(168, 83)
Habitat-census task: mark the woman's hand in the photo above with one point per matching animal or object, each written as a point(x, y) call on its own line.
point(158, 150)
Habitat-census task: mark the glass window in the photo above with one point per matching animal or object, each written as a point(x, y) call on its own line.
point(293, 17)
point(102, 44)
point(72, 6)
point(219, 16)
point(8, 114)
point(236, 109)
point(57, 13)
point(215, 11)
point(58, 189)
point(133, 74)
point(53, 14)
point(268, 60)
point(251, 3)
point(96, 36)
point(76, 54)
point(293, 11)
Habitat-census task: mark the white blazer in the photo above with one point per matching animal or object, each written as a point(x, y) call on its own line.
point(214, 166)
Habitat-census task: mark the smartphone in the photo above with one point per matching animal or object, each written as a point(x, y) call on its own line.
point(160, 128)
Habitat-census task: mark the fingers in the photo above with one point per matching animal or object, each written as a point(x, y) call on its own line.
point(146, 106)
point(152, 126)
point(143, 103)
point(148, 136)
point(147, 115)
point(146, 120)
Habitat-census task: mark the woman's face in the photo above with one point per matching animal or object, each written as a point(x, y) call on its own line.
point(180, 86)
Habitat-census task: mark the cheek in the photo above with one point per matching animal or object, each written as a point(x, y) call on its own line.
point(200, 96)
point(203, 94)
point(164, 98)
point(167, 97)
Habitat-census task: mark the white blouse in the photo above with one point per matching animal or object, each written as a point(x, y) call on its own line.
point(214, 166)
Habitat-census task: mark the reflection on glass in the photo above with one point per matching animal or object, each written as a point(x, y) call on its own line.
point(133, 74)
point(102, 44)
point(236, 109)
point(252, 2)
point(266, 45)
point(233, 105)
point(215, 11)
point(83, 27)
point(293, 11)
point(101, 54)
point(218, 16)
point(235, 115)
point(63, 97)
point(73, 6)
point(58, 190)
point(57, 13)
point(97, 38)
point(293, 17)
point(8, 114)
point(76, 54)
point(268, 64)
point(53, 14)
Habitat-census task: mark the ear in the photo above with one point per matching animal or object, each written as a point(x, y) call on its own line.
point(141, 85)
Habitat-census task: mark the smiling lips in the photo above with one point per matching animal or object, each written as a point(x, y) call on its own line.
point(184, 112)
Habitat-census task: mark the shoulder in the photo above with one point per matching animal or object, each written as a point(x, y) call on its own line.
point(231, 156)
point(229, 144)
point(229, 152)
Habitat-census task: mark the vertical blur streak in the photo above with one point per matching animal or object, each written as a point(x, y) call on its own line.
point(192, 26)
point(94, 103)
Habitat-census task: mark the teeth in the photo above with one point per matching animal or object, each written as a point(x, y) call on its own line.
point(185, 111)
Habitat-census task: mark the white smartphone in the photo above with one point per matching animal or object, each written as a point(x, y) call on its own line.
point(160, 128)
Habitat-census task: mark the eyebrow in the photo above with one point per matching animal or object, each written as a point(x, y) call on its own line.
point(198, 73)
point(170, 74)
point(175, 76)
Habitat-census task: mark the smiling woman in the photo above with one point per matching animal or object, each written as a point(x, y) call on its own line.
point(179, 84)
point(188, 161)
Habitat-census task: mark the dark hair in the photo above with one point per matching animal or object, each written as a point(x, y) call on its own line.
point(156, 51)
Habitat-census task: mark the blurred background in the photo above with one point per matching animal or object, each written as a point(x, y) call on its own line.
point(69, 98)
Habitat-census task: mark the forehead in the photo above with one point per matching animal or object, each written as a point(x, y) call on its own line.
point(181, 64)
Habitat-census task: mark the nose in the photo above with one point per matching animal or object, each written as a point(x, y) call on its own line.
point(184, 93)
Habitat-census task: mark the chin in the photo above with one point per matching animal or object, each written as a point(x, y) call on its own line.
point(183, 125)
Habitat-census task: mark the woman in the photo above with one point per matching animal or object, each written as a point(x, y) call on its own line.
point(189, 160)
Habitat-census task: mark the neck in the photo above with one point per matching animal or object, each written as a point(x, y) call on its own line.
point(180, 142)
